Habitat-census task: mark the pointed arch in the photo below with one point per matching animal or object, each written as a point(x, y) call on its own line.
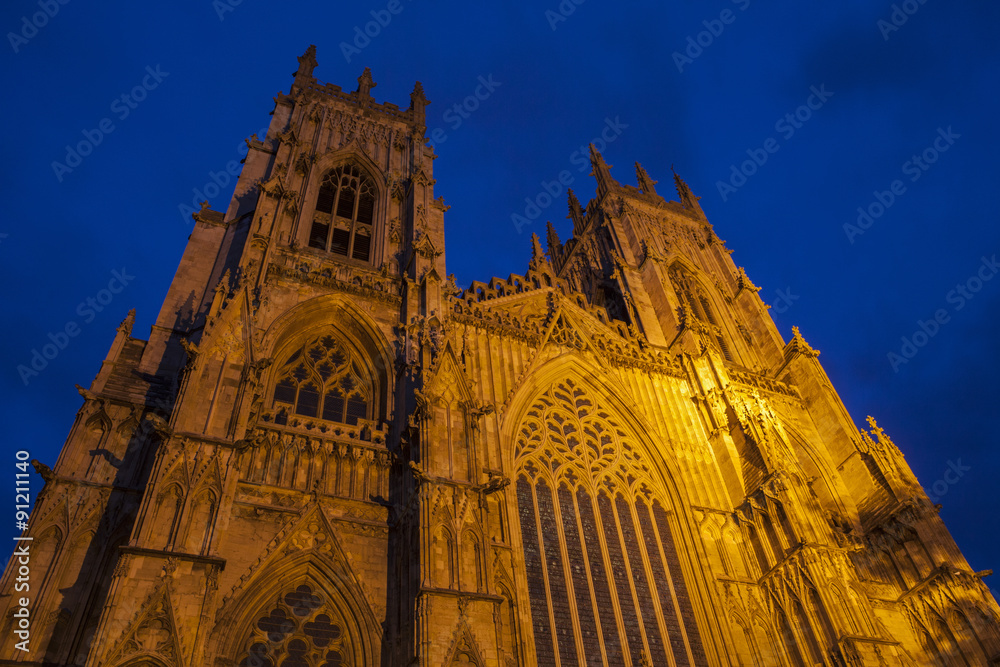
point(564, 433)
point(276, 592)
point(360, 335)
point(201, 517)
point(316, 208)
point(165, 526)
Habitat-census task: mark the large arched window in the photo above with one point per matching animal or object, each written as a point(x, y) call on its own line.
point(345, 214)
point(324, 379)
point(603, 573)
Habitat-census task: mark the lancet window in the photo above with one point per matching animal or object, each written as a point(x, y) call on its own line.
point(343, 223)
point(604, 578)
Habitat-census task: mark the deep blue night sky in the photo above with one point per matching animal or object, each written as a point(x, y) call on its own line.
point(220, 64)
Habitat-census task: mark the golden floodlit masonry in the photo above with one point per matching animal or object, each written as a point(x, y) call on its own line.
point(328, 454)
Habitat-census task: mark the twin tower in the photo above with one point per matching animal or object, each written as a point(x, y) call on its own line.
point(328, 454)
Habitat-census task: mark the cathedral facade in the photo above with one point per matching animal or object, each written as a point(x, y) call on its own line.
point(328, 454)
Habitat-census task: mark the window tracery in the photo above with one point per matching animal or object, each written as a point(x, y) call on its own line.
point(343, 222)
point(297, 632)
point(595, 531)
point(323, 379)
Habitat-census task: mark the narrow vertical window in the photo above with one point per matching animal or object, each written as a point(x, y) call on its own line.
point(345, 214)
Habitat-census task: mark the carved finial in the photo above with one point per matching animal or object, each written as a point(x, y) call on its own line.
point(687, 198)
point(645, 182)
point(365, 84)
point(126, 326)
point(552, 239)
point(537, 255)
point(743, 282)
point(883, 437)
point(601, 170)
point(307, 63)
point(575, 212)
point(799, 344)
point(418, 102)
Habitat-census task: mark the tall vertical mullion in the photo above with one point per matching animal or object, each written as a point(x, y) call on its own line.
point(603, 594)
point(576, 564)
point(333, 217)
point(535, 574)
point(696, 651)
point(559, 602)
point(641, 582)
point(619, 570)
point(675, 636)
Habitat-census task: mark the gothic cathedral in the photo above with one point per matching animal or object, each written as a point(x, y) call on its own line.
point(328, 454)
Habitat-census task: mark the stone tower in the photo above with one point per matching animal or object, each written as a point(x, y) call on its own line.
point(328, 454)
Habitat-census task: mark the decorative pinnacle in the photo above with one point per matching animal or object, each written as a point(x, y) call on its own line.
point(552, 237)
point(575, 211)
point(645, 182)
point(536, 248)
point(597, 159)
point(307, 63)
point(601, 170)
point(126, 326)
point(418, 101)
point(418, 94)
point(683, 191)
point(366, 83)
point(799, 344)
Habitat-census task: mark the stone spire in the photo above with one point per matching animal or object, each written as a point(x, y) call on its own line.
point(601, 171)
point(687, 198)
point(418, 102)
point(307, 63)
point(646, 184)
point(552, 238)
point(554, 244)
point(538, 257)
point(575, 212)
